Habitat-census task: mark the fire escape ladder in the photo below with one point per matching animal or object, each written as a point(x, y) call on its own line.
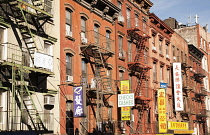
point(23, 98)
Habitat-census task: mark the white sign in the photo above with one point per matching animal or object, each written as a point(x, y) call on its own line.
point(178, 96)
point(125, 100)
point(43, 61)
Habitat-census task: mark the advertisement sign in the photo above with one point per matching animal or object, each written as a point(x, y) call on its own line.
point(177, 79)
point(184, 132)
point(78, 102)
point(43, 60)
point(162, 111)
point(163, 85)
point(125, 100)
point(125, 111)
point(177, 125)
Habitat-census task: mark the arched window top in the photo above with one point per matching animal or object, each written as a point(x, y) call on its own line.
point(97, 23)
point(69, 51)
point(84, 16)
point(69, 7)
point(108, 29)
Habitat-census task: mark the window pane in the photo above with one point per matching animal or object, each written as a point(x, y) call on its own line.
point(68, 64)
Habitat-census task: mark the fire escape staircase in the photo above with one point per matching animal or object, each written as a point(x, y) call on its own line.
point(27, 19)
point(139, 69)
point(22, 97)
point(98, 96)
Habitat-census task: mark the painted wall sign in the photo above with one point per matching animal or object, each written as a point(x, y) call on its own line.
point(177, 79)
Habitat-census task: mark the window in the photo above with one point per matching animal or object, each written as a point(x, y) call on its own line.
point(145, 57)
point(83, 27)
point(1, 107)
point(68, 22)
point(47, 48)
point(2, 35)
point(154, 72)
point(48, 5)
point(84, 72)
point(69, 66)
point(96, 33)
point(136, 20)
point(160, 46)
point(120, 45)
point(144, 25)
point(161, 73)
point(108, 40)
point(153, 40)
point(121, 74)
point(168, 76)
point(173, 51)
point(128, 14)
point(69, 118)
point(119, 5)
point(129, 52)
point(167, 49)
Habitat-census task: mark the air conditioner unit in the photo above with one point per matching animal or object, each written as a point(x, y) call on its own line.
point(132, 117)
point(121, 19)
point(68, 33)
point(84, 40)
point(167, 56)
point(49, 100)
point(69, 78)
point(174, 58)
point(154, 48)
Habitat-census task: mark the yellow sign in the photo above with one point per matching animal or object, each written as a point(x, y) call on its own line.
point(164, 134)
point(184, 132)
point(125, 111)
point(162, 111)
point(177, 125)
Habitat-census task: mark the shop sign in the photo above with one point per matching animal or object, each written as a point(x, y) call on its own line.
point(177, 79)
point(177, 125)
point(183, 132)
point(162, 111)
point(125, 100)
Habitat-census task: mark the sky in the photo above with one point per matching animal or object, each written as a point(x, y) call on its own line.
point(181, 10)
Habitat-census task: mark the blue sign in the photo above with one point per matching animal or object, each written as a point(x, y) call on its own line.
point(78, 102)
point(163, 85)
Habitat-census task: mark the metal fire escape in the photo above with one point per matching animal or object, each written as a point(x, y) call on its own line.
point(97, 51)
point(26, 18)
point(139, 68)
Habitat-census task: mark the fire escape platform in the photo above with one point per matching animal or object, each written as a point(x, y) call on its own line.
point(41, 11)
point(143, 98)
point(96, 48)
point(29, 69)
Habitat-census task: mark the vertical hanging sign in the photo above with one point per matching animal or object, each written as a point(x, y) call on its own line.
point(178, 96)
point(78, 102)
point(162, 111)
point(125, 111)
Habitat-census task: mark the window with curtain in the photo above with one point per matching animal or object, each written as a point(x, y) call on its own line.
point(96, 33)
point(120, 45)
point(129, 52)
point(68, 22)
point(128, 15)
point(69, 66)
point(83, 27)
point(108, 40)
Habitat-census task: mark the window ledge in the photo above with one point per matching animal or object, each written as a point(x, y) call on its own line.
point(70, 38)
point(161, 55)
point(154, 51)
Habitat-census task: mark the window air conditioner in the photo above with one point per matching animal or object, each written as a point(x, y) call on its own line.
point(49, 100)
point(154, 48)
point(121, 19)
point(68, 33)
point(69, 78)
point(84, 40)
point(174, 58)
point(167, 56)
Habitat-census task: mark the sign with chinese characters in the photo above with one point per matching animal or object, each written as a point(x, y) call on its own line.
point(177, 125)
point(78, 102)
point(178, 96)
point(125, 111)
point(162, 111)
point(43, 60)
point(125, 100)
point(163, 85)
